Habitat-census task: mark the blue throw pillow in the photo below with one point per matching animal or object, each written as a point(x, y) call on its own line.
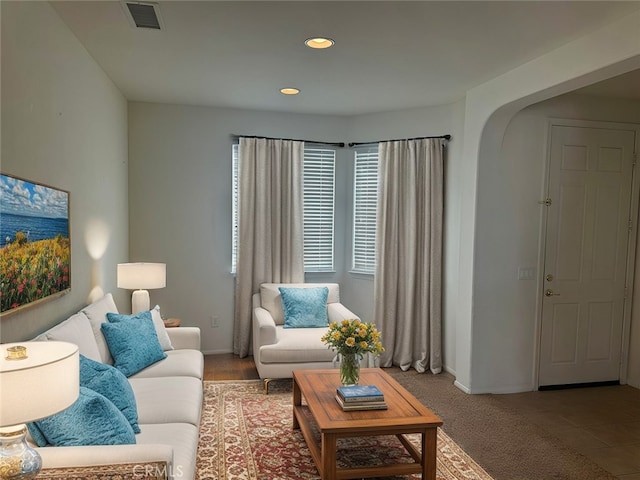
point(121, 317)
point(132, 341)
point(110, 382)
point(91, 420)
point(37, 435)
point(304, 307)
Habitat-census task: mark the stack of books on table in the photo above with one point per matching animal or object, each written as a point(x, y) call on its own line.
point(360, 397)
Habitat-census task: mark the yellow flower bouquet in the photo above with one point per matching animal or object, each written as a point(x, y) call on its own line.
point(351, 339)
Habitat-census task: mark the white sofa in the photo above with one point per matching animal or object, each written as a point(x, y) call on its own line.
point(278, 351)
point(169, 396)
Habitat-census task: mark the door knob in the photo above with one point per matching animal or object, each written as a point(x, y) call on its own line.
point(549, 293)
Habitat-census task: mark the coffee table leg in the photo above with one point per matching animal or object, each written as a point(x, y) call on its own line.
point(329, 456)
point(297, 401)
point(429, 444)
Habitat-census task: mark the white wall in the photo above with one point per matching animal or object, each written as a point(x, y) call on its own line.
point(180, 199)
point(611, 50)
point(509, 236)
point(65, 124)
point(633, 372)
point(180, 202)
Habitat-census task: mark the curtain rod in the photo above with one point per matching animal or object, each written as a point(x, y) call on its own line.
point(333, 144)
point(355, 144)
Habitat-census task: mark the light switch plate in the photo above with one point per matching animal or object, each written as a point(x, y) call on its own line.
point(526, 273)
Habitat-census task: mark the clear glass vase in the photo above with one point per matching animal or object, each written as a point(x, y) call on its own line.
point(18, 461)
point(349, 364)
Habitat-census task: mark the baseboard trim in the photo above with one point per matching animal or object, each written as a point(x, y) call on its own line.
point(494, 390)
point(461, 387)
point(215, 352)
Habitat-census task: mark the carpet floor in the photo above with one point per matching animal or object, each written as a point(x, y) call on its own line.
point(505, 443)
point(246, 435)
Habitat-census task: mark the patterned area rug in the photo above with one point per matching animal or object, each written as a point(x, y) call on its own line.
point(246, 435)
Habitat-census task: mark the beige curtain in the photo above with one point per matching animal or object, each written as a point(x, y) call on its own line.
point(270, 224)
point(408, 280)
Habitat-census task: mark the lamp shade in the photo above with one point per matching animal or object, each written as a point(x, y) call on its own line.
point(141, 275)
point(44, 383)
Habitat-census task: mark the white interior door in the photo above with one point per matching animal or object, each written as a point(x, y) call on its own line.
point(588, 225)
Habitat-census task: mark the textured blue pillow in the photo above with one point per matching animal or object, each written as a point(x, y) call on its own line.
point(37, 435)
point(304, 307)
point(132, 341)
point(115, 317)
point(110, 382)
point(91, 420)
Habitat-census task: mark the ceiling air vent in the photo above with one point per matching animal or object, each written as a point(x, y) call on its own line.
point(143, 14)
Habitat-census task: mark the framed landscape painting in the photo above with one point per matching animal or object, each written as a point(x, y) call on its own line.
point(35, 247)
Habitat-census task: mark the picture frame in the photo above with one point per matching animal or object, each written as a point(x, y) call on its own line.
point(35, 243)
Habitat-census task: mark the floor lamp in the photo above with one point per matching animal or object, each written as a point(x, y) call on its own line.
point(141, 277)
point(26, 372)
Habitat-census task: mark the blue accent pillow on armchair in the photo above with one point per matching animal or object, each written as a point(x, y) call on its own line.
point(111, 383)
point(304, 307)
point(91, 420)
point(132, 341)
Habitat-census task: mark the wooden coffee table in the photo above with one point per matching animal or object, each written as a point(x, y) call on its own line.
point(405, 415)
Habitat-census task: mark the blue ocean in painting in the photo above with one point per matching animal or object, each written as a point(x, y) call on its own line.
point(36, 228)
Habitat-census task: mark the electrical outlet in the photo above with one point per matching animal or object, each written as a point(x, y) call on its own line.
point(214, 321)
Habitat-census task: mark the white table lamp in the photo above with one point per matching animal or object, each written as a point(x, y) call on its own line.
point(140, 277)
point(37, 380)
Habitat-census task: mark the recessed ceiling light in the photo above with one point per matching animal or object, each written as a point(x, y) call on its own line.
point(289, 91)
point(319, 42)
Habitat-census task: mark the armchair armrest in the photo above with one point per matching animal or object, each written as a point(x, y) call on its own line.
point(337, 311)
point(264, 328)
point(184, 337)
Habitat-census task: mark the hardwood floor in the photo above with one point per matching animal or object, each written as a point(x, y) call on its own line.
point(228, 366)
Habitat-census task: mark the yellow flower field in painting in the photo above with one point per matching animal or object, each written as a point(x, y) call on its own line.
point(33, 270)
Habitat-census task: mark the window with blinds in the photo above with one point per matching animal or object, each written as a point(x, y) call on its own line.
point(318, 206)
point(234, 214)
point(319, 187)
point(365, 200)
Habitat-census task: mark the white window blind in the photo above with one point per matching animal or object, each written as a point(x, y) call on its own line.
point(319, 187)
point(364, 209)
point(319, 193)
point(234, 215)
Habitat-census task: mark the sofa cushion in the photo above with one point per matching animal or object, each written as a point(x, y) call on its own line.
point(132, 341)
point(304, 307)
point(168, 400)
point(297, 346)
point(91, 420)
point(97, 315)
point(161, 330)
point(77, 330)
point(271, 300)
point(110, 382)
point(179, 363)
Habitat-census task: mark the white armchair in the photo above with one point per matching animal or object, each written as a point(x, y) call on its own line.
point(277, 351)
